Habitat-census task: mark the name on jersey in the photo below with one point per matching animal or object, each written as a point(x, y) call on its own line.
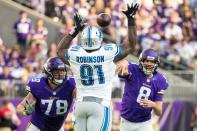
point(90, 59)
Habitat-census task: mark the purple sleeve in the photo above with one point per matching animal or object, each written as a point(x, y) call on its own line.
point(30, 88)
point(34, 84)
point(131, 69)
point(162, 85)
point(72, 82)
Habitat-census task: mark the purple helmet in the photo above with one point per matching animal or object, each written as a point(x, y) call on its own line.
point(55, 70)
point(149, 54)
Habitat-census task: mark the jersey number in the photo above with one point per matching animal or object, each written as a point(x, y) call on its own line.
point(87, 76)
point(144, 93)
point(61, 106)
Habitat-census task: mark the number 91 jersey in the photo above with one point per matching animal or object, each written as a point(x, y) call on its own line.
point(52, 106)
point(93, 71)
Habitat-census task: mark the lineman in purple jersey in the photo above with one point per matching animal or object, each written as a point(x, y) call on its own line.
point(50, 97)
point(144, 89)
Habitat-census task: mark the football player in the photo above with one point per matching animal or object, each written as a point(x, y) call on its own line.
point(50, 97)
point(144, 89)
point(93, 67)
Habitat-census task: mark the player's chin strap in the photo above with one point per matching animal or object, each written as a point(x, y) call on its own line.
point(29, 108)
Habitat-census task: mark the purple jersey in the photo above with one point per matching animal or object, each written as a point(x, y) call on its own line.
point(22, 29)
point(52, 106)
point(138, 87)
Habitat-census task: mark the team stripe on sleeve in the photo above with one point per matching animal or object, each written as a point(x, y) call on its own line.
point(67, 55)
point(118, 53)
point(161, 92)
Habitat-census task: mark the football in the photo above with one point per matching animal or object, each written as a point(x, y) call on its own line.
point(103, 19)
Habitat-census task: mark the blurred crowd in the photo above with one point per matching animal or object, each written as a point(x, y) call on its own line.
point(168, 26)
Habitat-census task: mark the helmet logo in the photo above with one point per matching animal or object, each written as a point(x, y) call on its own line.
point(150, 58)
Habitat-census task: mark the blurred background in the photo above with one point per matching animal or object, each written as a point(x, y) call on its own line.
point(31, 29)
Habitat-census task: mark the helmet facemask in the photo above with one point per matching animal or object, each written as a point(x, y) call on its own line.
point(149, 67)
point(149, 61)
point(55, 71)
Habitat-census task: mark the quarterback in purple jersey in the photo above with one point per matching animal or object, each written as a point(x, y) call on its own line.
point(50, 97)
point(144, 89)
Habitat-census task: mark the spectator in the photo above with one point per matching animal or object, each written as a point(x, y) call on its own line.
point(5, 117)
point(6, 81)
point(8, 118)
point(172, 52)
point(38, 5)
point(28, 73)
point(22, 29)
point(2, 62)
point(99, 6)
point(50, 10)
point(52, 51)
point(186, 52)
point(39, 34)
point(83, 8)
point(187, 24)
point(172, 29)
point(92, 16)
point(6, 74)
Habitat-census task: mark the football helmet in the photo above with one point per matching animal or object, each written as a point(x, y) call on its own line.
point(152, 55)
point(91, 38)
point(55, 70)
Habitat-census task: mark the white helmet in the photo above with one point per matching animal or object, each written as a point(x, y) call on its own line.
point(91, 38)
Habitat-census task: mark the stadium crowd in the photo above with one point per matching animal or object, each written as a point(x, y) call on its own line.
point(167, 26)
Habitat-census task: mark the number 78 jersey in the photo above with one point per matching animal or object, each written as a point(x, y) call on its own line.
point(93, 72)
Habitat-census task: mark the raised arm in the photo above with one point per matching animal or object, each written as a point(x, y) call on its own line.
point(65, 42)
point(129, 46)
point(26, 107)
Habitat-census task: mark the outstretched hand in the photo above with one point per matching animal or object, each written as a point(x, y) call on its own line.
point(122, 68)
point(131, 10)
point(79, 23)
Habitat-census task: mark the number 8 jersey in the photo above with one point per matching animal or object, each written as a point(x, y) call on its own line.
point(138, 87)
point(93, 71)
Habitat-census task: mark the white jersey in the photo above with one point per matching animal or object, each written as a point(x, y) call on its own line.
point(94, 72)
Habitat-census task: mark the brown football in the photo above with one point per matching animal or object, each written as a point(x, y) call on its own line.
point(103, 19)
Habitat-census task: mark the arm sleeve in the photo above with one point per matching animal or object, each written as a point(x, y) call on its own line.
point(72, 82)
point(31, 88)
point(118, 53)
point(71, 52)
point(162, 85)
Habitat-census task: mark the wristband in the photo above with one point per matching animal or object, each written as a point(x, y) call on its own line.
point(131, 21)
point(73, 32)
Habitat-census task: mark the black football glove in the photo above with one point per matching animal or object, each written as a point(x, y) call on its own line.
point(130, 13)
point(79, 25)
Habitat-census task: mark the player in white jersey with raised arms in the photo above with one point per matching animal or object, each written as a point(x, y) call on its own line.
point(93, 66)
